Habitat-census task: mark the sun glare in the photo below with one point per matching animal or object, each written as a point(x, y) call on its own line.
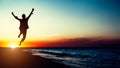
point(13, 45)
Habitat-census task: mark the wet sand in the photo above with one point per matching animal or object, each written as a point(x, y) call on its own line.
point(18, 58)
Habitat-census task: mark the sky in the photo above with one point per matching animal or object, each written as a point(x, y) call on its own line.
point(61, 19)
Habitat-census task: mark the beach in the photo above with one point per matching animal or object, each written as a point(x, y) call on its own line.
point(19, 58)
point(59, 58)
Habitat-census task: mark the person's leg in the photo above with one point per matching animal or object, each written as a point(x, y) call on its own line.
point(24, 36)
point(20, 34)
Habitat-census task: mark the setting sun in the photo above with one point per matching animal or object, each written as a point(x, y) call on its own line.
point(13, 45)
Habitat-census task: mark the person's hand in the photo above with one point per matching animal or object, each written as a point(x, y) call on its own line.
point(12, 13)
point(32, 9)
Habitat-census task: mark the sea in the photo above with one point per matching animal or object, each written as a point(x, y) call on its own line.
point(82, 57)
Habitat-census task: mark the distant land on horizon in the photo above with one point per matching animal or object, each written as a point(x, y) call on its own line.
point(80, 42)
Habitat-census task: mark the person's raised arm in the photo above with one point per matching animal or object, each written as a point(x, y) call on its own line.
point(15, 16)
point(30, 13)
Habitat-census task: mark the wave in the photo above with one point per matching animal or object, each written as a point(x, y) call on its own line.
point(82, 58)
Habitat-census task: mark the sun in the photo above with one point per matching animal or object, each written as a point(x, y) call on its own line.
point(13, 45)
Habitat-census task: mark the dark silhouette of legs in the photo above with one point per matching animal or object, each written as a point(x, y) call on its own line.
point(19, 34)
point(24, 32)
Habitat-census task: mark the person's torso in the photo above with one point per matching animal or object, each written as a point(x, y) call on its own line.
point(24, 23)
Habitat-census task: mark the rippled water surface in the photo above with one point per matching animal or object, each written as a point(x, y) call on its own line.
point(82, 57)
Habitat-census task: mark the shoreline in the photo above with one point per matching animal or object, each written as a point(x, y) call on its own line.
point(18, 58)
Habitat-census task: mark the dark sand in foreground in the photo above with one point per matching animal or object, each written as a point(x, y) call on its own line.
point(17, 58)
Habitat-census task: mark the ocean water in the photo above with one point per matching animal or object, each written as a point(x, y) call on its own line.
point(82, 57)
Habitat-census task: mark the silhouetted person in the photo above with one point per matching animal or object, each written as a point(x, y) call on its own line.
point(23, 25)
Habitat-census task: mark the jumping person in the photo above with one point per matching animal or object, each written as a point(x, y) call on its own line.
point(23, 25)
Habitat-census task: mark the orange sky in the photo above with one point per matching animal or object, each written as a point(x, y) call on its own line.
point(60, 19)
point(73, 42)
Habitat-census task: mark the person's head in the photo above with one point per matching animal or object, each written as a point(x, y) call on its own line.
point(23, 16)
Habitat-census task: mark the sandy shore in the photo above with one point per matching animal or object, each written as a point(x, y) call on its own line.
point(17, 58)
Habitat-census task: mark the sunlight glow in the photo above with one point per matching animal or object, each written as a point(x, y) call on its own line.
point(13, 45)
